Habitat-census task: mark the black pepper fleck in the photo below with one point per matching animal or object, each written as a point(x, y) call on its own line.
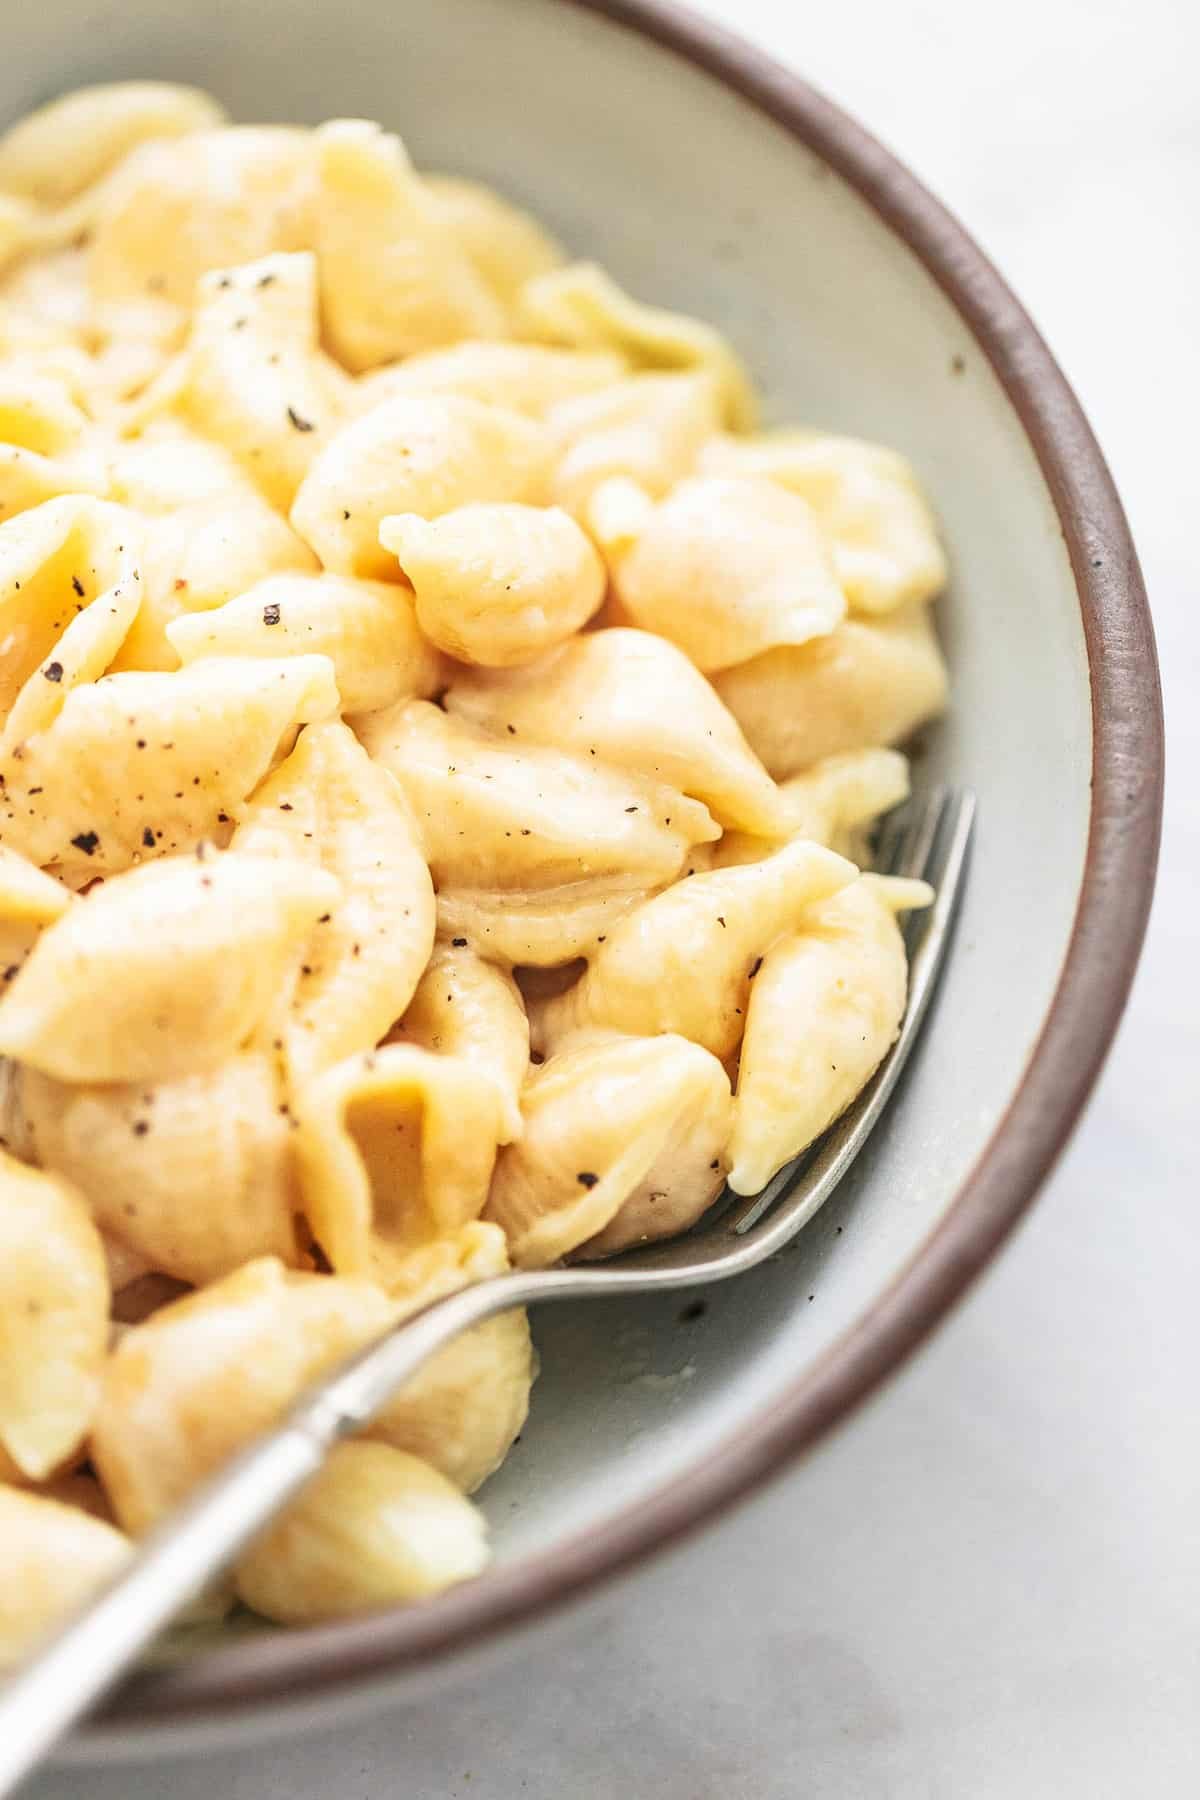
point(87, 841)
point(299, 423)
point(148, 838)
point(53, 671)
point(271, 613)
point(586, 1179)
point(459, 943)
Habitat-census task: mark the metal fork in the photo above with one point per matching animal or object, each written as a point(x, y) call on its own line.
point(928, 837)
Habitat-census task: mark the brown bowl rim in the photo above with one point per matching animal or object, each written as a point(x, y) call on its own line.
point(1110, 921)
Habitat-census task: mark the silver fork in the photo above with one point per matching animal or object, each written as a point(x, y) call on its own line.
point(85, 1658)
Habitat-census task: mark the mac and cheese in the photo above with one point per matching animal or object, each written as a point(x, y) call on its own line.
point(439, 739)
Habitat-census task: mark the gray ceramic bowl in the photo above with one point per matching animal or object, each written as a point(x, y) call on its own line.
point(707, 178)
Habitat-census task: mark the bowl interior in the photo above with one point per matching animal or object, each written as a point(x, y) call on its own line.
point(694, 198)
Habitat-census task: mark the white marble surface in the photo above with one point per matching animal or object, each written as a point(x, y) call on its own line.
point(987, 1587)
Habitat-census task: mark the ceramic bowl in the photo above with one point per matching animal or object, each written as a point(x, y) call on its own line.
point(707, 178)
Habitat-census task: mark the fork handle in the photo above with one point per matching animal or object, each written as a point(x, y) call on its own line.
point(94, 1649)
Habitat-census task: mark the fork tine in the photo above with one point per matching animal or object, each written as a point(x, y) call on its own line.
point(904, 831)
point(930, 840)
point(917, 841)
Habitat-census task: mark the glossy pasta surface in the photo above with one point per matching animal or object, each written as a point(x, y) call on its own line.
point(439, 742)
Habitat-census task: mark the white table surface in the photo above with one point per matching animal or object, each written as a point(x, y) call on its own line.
point(987, 1586)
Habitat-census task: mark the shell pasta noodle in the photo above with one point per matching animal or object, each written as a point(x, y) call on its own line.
point(441, 738)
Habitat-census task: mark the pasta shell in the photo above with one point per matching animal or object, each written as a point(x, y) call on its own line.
point(255, 379)
point(533, 851)
point(525, 378)
point(206, 1374)
point(373, 1528)
point(582, 306)
point(728, 567)
point(167, 466)
point(470, 1009)
point(869, 681)
point(840, 795)
point(393, 277)
point(648, 429)
point(415, 453)
point(48, 446)
point(55, 1557)
point(367, 629)
point(495, 810)
point(465, 1406)
point(497, 584)
point(638, 702)
point(885, 547)
point(195, 1175)
point(141, 765)
point(622, 1142)
point(164, 971)
point(643, 979)
point(836, 803)
point(55, 152)
point(200, 557)
point(331, 806)
point(824, 1009)
point(70, 587)
point(396, 1147)
point(210, 200)
point(53, 1318)
point(507, 245)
